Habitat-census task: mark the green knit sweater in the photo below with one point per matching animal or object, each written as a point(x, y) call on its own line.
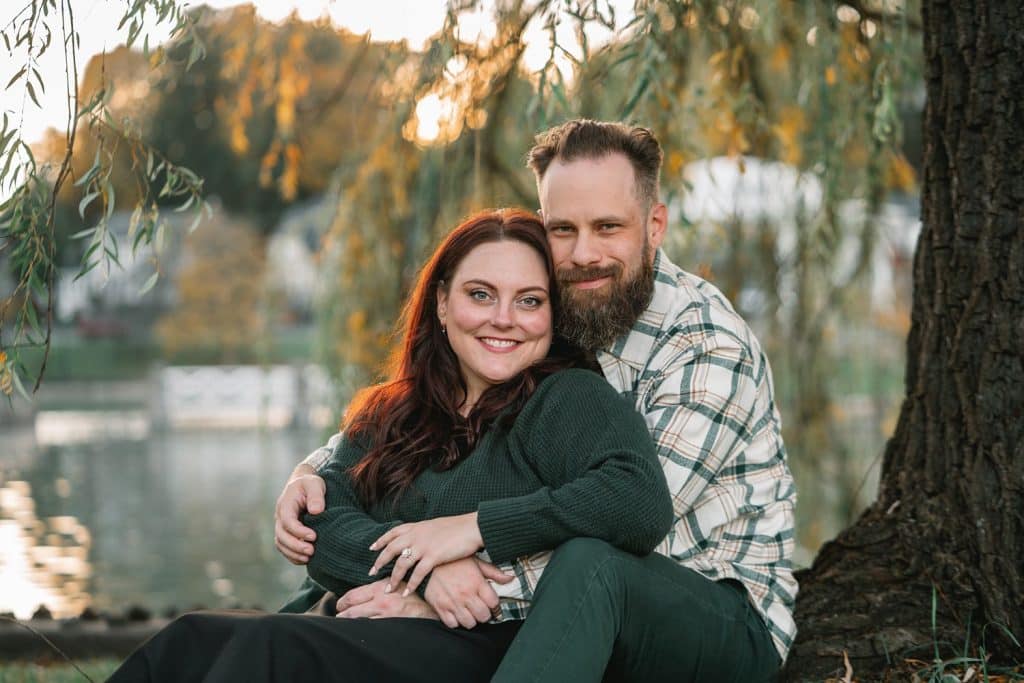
point(577, 461)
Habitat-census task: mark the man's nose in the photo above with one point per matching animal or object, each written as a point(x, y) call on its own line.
point(584, 250)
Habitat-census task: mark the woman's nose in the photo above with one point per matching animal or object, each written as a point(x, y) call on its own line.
point(504, 315)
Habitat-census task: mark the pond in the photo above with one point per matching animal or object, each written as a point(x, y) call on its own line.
point(177, 519)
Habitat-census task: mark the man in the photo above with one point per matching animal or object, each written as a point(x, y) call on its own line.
point(671, 343)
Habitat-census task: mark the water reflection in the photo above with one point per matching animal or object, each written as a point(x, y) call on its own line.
point(44, 562)
point(180, 519)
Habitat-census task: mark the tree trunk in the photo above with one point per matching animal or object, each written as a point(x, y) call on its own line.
point(946, 537)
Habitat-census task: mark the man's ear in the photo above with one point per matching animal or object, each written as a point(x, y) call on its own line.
point(657, 224)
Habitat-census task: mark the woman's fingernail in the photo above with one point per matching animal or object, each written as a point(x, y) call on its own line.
point(405, 593)
point(373, 570)
point(373, 546)
point(387, 588)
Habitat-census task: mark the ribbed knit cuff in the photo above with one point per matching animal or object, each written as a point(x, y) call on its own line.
point(505, 528)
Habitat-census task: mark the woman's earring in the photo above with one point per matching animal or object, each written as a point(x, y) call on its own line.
point(444, 330)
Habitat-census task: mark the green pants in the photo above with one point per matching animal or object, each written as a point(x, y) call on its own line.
point(602, 614)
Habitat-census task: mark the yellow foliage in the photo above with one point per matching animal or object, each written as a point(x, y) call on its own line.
point(853, 57)
point(356, 322)
point(6, 379)
point(675, 162)
point(705, 271)
point(220, 294)
point(779, 61)
point(792, 124)
point(855, 154)
point(268, 162)
point(899, 174)
point(717, 59)
point(289, 182)
point(239, 140)
point(363, 345)
point(477, 118)
point(830, 75)
point(726, 135)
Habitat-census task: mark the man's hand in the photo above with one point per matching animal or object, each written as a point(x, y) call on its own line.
point(460, 593)
point(304, 492)
point(372, 601)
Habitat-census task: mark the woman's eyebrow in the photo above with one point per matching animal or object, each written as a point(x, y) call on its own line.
point(485, 283)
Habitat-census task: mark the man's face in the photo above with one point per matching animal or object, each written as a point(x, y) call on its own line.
point(603, 243)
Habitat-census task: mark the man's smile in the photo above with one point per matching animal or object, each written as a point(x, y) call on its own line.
point(592, 284)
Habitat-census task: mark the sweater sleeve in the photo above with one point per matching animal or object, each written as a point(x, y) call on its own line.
point(344, 530)
point(601, 476)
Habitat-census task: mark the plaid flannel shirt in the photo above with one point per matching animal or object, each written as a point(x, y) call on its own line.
point(694, 370)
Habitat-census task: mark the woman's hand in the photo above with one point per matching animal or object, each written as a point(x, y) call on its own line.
point(370, 601)
point(421, 546)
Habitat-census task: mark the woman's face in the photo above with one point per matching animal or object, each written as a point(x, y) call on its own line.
point(497, 311)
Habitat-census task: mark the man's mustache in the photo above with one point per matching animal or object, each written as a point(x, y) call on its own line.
point(580, 274)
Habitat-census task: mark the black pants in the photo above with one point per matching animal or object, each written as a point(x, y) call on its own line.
point(255, 646)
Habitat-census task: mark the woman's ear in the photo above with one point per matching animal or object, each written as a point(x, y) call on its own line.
point(442, 305)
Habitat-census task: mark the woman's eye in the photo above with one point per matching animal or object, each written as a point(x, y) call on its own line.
point(479, 295)
point(530, 301)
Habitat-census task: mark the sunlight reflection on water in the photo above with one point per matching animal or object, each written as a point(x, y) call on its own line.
point(179, 519)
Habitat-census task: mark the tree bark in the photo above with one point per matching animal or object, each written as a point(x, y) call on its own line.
point(938, 560)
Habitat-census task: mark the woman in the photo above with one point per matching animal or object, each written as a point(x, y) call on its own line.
point(483, 438)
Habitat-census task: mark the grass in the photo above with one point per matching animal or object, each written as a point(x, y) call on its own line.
point(28, 672)
point(74, 359)
point(963, 664)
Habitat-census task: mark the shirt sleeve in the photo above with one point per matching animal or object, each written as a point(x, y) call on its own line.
point(700, 413)
point(319, 458)
point(345, 529)
point(601, 477)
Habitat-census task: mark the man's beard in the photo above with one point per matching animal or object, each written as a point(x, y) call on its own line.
point(593, 320)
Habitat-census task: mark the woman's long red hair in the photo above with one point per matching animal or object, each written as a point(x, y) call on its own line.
point(411, 421)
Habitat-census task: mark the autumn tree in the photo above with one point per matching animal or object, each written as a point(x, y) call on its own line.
point(273, 110)
point(220, 312)
point(267, 113)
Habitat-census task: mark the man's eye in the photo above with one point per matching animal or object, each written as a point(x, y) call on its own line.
point(609, 226)
point(560, 229)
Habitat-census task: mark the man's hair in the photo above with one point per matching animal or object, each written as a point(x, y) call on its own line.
point(588, 139)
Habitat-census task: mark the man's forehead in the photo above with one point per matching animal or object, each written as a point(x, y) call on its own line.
point(588, 205)
point(608, 178)
point(613, 165)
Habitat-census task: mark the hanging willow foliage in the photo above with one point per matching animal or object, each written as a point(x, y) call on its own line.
point(27, 235)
